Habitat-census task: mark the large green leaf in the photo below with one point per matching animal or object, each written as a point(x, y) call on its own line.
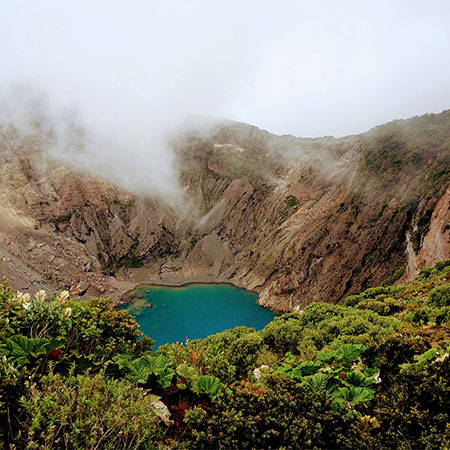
point(139, 371)
point(297, 371)
point(165, 378)
point(354, 395)
point(147, 369)
point(317, 382)
point(421, 361)
point(21, 350)
point(346, 352)
point(123, 361)
point(157, 364)
point(188, 374)
point(357, 378)
point(349, 352)
point(207, 385)
point(326, 357)
point(308, 367)
point(296, 374)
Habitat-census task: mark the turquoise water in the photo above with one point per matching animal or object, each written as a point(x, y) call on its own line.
point(195, 311)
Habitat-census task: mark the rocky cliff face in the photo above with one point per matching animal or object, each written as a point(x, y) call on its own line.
point(60, 227)
point(298, 220)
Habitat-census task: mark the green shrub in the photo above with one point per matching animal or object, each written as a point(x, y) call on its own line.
point(279, 414)
point(441, 265)
point(89, 412)
point(442, 315)
point(334, 325)
point(243, 353)
point(353, 300)
point(220, 342)
point(283, 334)
point(440, 296)
point(324, 324)
point(420, 316)
point(413, 405)
point(385, 307)
point(378, 293)
point(44, 319)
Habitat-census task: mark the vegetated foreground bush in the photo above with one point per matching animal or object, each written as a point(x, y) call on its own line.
point(89, 412)
point(371, 373)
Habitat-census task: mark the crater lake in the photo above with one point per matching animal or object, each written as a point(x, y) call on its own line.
point(170, 314)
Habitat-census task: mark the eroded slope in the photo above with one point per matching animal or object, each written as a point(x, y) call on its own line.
point(299, 220)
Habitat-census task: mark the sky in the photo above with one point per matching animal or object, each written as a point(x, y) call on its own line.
point(133, 69)
point(307, 68)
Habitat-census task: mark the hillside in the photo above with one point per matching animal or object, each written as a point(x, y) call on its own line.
point(372, 373)
point(298, 220)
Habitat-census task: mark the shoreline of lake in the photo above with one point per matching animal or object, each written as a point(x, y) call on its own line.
point(150, 285)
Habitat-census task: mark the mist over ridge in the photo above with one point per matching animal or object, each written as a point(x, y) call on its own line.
point(296, 68)
point(134, 154)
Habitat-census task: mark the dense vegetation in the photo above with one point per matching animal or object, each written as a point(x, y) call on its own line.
point(395, 153)
point(373, 372)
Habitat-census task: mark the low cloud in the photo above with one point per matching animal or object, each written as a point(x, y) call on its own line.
point(133, 153)
point(118, 78)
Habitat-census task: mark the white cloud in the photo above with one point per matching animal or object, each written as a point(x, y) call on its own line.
point(133, 69)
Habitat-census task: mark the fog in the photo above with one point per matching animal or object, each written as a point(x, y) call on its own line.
point(129, 72)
